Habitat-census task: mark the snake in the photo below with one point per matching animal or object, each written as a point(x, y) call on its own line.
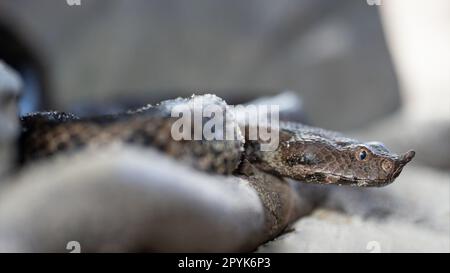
point(304, 153)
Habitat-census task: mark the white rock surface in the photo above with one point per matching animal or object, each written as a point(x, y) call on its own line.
point(331, 231)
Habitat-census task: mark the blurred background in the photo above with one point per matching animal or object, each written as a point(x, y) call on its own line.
point(377, 69)
point(332, 52)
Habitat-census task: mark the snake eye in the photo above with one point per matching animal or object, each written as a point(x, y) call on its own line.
point(362, 154)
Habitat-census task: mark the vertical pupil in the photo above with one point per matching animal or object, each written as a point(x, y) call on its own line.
point(362, 155)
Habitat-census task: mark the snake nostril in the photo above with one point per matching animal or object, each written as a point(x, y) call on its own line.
point(387, 165)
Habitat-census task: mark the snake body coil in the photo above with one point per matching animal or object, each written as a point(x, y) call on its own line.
point(304, 153)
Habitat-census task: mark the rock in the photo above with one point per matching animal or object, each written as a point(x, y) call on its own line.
point(127, 200)
point(410, 215)
point(10, 87)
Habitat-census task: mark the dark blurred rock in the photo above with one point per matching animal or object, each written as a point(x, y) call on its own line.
point(333, 52)
point(10, 89)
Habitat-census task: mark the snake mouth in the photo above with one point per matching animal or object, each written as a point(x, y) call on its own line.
point(361, 182)
point(373, 183)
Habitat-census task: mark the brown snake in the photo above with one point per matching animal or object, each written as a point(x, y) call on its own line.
point(305, 153)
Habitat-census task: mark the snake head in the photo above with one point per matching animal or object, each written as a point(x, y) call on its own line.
point(316, 156)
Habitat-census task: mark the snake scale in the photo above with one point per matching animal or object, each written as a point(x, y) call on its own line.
point(304, 153)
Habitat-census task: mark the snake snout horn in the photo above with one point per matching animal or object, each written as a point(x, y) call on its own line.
point(408, 156)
